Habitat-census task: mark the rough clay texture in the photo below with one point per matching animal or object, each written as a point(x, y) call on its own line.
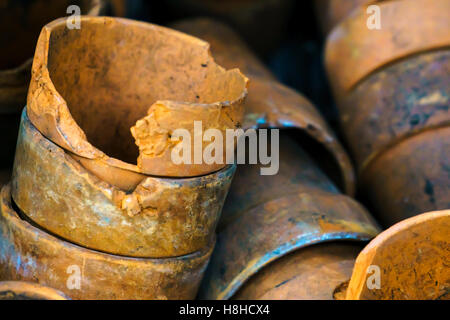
point(90, 86)
point(353, 51)
point(311, 273)
point(266, 217)
point(413, 257)
point(162, 217)
point(30, 254)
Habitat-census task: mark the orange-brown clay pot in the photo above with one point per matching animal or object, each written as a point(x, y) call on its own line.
point(90, 86)
point(162, 217)
point(100, 84)
point(393, 94)
point(267, 217)
point(411, 260)
point(27, 253)
point(353, 51)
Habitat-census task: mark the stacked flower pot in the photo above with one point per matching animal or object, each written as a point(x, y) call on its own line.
point(142, 231)
point(391, 84)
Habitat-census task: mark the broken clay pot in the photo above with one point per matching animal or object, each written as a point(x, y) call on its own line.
point(268, 217)
point(90, 86)
point(162, 217)
point(408, 261)
point(30, 254)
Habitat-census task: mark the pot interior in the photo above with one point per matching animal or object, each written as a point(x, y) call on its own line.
point(110, 71)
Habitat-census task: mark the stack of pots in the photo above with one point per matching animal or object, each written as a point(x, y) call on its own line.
point(391, 84)
point(293, 235)
point(76, 202)
point(392, 88)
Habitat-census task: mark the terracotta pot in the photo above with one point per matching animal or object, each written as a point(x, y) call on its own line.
point(393, 98)
point(311, 273)
point(267, 217)
point(410, 258)
point(353, 51)
point(162, 217)
point(20, 290)
point(90, 86)
point(20, 23)
point(30, 254)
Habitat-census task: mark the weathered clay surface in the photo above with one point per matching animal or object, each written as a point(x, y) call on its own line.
point(266, 217)
point(398, 101)
point(21, 290)
point(270, 104)
point(353, 51)
point(396, 122)
point(29, 254)
point(413, 258)
point(311, 273)
point(162, 217)
point(411, 177)
point(275, 217)
point(90, 86)
point(393, 95)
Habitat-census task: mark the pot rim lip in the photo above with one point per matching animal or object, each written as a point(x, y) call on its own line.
point(95, 153)
point(347, 72)
point(210, 176)
point(8, 213)
point(367, 231)
point(31, 288)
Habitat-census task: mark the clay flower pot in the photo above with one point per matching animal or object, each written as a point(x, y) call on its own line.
point(411, 258)
point(95, 85)
point(162, 217)
point(267, 220)
point(392, 90)
point(30, 254)
point(90, 86)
